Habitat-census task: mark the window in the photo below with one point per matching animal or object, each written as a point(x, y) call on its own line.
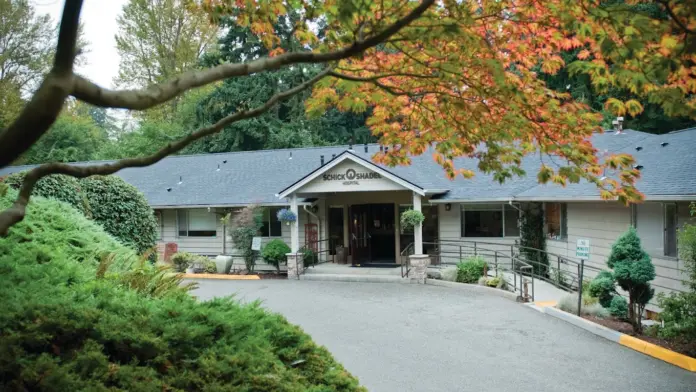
point(196, 223)
point(490, 220)
point(556, 220)
point(656, 224)
point(670, 216)
point(272, 227)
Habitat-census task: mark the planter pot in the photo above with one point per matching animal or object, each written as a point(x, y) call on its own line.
point(190, 270)
point(223, 264)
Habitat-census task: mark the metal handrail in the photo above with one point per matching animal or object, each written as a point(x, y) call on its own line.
point(317, 260)
point(408, 252)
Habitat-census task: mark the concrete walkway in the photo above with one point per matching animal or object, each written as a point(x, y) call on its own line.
point(408, 337)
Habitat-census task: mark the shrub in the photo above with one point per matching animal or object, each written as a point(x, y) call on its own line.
point(76, 316)
point(309, 258)
point(56, 186)
point(275, 252)
point(618, 307)
point(532, 238)
point(209, 266)
point(603, 287)
point(411, 218)
point(633, 271)
point(122, 210)
point(182, 260)
point(245, 225)
point(449, 274)
point(569, 303)
point(471, 270)
point(679, 309)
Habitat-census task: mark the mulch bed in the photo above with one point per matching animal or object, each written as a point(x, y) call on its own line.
point(679, 345)
point(273, 276)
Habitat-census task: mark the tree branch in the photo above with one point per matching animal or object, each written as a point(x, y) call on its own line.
point(676, 19)
point(43, 109)
point(142, 99)
point(16, 213)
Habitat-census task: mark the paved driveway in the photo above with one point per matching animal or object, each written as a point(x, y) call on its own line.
point(397, 337)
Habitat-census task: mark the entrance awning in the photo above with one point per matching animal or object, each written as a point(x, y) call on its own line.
point(350, 173)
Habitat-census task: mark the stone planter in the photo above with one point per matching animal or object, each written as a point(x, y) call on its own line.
point(223, 264)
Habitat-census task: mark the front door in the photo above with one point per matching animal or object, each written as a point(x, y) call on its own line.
point(372, 233)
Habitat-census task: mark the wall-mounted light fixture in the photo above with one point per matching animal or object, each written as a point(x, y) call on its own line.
point(448, 207)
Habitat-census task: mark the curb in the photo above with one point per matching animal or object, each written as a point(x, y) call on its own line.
point(655, 351)
point(472, 287)
point(221, 277)
point(355, 278)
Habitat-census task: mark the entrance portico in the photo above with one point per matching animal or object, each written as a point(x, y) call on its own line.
point(358, 205)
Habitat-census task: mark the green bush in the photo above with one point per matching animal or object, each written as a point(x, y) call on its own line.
point(618, 307)
point(209, 266)
point(77, 316)
point(275, 252)
point(244, 226)
point(603, 287)
point(309, 258)
point(57, 186)
point(122, 210)
point(471, 270)
point(183, 260)
point(679, 309)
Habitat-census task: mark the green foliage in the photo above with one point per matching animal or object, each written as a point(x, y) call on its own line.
point(245, 225)
point(497, 282)
point(449, 274)
point(633, 270)
point(471, 270)
point(81, 312)
point(532, 238)
point(618, 307)
point(411, 219)
point(209, 266)
point(122, 210)
point(309, 258)
point(183, 260)
point(57, 186)
point(603, 287)
point(679, 309)
point(275, 252)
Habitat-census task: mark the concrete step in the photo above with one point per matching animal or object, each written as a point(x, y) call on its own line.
point(356, 278)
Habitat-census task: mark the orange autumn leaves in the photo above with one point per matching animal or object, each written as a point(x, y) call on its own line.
point(464, 78)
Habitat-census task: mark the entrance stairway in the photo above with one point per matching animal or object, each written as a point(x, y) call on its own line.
point(346, 273)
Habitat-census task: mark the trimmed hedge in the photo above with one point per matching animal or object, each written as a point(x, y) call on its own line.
point(122, 210)
point(118, 206)
point(64, 329)
point(471, 270)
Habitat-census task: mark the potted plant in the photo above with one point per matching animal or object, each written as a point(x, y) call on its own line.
point(287, 216)
point(411, 219)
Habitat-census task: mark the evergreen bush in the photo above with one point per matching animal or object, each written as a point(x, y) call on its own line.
point(122, 210)
point(618, 307)
point(471, 270)
point(79, 315)
point(532, 239)
point(603, 287)
point(275, 252)
point(56, 186)
point(183, 260)
point(633, 271)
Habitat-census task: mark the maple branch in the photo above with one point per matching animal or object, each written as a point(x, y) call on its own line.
point(17, 211)
point(676, 19)
point(43, 109)
point(141, 99)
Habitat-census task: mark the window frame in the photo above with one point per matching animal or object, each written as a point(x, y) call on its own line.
point(671, 252)
point(503, 209)
point(188, 222)
point(272, 212)
point(562, 221)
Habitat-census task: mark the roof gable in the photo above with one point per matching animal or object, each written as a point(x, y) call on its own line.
point(349, 173)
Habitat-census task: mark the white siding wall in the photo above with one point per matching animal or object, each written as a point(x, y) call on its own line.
point(209, 246)
point(450, 224)
point(603, 223)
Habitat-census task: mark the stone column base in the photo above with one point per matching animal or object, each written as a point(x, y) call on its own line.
point(419, 267)
point(294, 265)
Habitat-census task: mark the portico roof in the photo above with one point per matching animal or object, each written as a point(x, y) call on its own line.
point(344, 157)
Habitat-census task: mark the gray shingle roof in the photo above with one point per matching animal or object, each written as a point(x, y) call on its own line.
point(256, 176)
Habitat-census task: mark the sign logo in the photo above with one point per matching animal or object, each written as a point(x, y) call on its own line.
point(351, 177)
